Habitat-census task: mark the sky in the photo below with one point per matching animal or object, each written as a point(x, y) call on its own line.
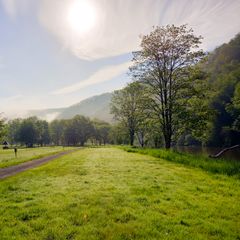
point(55, 53)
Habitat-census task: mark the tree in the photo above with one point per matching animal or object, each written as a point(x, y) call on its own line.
point(13, 127)
point(2, 128)
point(127, 107)
point(70, 135)
point(118, 134)
point(28, 131)
point(101, 133)
point(223, 67)
point(78, 130)
point(42, 132)
point(56, 129)
point(164, 64)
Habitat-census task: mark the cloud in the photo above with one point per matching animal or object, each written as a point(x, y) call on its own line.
point(9, 105)
point(116, 32)
point(103, 75)
point(11, 98)
point(14, 7)
point(119, 23)
point(10, 7)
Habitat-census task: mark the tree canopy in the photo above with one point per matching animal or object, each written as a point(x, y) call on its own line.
point(165, 64)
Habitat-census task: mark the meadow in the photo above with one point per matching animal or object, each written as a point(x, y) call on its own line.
point(214, 165)
point(109, 193)
point(7, 156)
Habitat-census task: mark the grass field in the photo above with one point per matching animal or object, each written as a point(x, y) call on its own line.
point(108, 193)
point(7, 157)
point(213, 165)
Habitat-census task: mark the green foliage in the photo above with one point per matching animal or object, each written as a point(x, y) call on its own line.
point(75, 131)
point(13, 127)
point(223, 67)
point(43, 136)
point(119, 134)
point(128, 107)
point(56, 129)
point(78, 130)
point(165, 65)
point(101, 132)
point(2, 128)
point(28, 131)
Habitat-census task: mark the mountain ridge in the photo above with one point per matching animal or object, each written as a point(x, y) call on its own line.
point(97, 106)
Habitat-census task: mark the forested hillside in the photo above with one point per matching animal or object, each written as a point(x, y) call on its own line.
point(93, 107)
point(194, 100)
point(223, 68)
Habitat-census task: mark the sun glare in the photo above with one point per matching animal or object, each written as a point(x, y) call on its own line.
point(81, 16)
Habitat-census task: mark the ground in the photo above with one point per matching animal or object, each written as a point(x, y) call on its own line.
point(7, 157)
point(107, 193)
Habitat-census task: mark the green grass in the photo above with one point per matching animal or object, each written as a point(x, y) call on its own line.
point(219, 166)
point(7, 157)
point(108, 193)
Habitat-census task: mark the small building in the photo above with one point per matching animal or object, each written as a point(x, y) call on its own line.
point(5, 145)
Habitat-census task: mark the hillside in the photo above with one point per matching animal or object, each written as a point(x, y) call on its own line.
point(93, 107)
point(223, 67)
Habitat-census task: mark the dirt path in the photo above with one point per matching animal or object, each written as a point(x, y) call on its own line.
point(13, 170)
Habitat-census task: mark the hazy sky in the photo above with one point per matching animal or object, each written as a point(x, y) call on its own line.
point(54, 53)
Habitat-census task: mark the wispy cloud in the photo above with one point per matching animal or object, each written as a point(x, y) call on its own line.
point(14, 7)
point(11, 98)
point(103, 75)
point(10, 7)
point(119, 23)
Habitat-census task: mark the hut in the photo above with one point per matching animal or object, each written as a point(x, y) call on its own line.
point(5, 145)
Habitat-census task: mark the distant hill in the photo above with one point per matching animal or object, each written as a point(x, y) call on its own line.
point(93, 107)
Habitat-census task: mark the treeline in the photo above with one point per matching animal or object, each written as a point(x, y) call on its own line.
point(180, 95)
point(72, 132)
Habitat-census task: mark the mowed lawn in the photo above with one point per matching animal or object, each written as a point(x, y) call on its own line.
point(7, 157)
point(107, 193)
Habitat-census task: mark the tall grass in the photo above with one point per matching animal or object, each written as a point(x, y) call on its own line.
point(220, 166)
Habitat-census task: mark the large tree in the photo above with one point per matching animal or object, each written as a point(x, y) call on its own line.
point(165, 63)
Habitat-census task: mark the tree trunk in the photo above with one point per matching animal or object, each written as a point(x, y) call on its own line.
point(131, 135)
point(223, 151)
point(168, 141)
